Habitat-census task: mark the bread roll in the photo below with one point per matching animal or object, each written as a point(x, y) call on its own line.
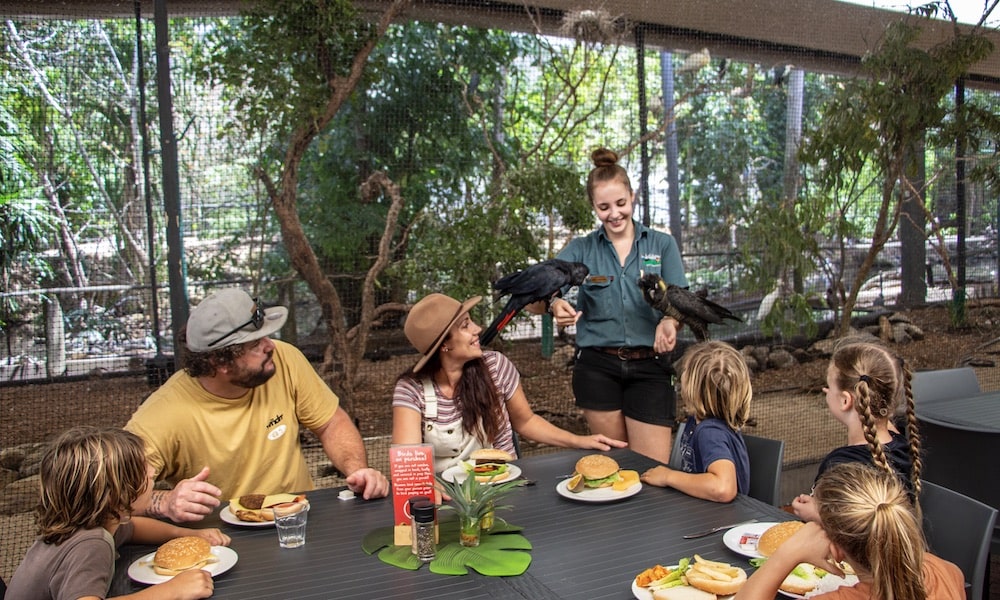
point(683, 592)
point(597, 466)
point(182, 554)
point(489, 455)
point(776, 536)
point(493, 478)
point(714, 585)
point(801, 582)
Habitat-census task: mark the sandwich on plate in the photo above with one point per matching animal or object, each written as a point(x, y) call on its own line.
point(594, 471)
point(183, 554)
point(258, 508)
point(804, 578)
point(489, 464)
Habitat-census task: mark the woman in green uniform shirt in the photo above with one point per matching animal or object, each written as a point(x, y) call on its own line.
point(622, 376)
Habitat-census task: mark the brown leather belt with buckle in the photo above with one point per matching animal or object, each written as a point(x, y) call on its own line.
point(623, 353)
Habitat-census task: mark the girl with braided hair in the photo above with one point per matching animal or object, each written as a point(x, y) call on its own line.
point(866, 386)
point(866, 520)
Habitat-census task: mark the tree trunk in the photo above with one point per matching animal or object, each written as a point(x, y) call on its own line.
point(913, 222)
point(884, 226)
point(673, 177)
point(340, 367)
point(793, 137)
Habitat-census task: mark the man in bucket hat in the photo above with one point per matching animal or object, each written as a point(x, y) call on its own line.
point(233, 415)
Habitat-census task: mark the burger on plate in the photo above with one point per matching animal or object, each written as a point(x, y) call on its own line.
point(490, 464)
point(595, 471)
point(257, 508)
point(804, 577)
point(183, 554)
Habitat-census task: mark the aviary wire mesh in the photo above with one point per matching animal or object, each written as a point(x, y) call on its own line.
point(487, 133)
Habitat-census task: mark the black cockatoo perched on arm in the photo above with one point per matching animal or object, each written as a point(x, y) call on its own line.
point(690, 308)
point(542, 281)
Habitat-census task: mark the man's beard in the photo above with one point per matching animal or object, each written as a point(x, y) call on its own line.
point(248, 378)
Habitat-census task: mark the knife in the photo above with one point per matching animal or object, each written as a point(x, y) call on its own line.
point(699, 534)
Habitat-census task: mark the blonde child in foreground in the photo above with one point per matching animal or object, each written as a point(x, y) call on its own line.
point(716, 392)
point(867, 521)
point(92, 479)
point(865, 386)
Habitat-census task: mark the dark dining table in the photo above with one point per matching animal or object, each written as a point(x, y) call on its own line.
point(579, 549)
point(978, 412)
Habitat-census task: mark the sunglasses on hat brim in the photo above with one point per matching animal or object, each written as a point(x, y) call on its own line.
point(256, 319)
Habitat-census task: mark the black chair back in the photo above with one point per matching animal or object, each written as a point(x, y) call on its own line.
point(959, 529)
point(942, 384)
point(766, 458)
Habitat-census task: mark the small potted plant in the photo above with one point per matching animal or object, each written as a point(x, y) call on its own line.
point(472, 501)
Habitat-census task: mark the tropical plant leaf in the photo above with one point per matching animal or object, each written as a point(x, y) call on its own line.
point(376, 539)
point(400, 556)
point(497, 555)
point(501, 551)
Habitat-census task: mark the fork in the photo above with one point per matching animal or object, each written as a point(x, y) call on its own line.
point(699, 534)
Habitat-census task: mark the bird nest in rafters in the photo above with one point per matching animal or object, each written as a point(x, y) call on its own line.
point(595, 26)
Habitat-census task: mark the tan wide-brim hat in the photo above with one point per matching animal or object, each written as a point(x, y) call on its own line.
point(429, 321)
point(227, 317)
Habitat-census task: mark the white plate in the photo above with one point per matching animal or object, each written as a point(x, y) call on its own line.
point(227, 515)
point(604, 494)
point(643, 593)
point(828, 583)
point(742, 539)
point(141, 569)
point(458, 474)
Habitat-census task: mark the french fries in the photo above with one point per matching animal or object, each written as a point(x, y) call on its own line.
point(712, 570)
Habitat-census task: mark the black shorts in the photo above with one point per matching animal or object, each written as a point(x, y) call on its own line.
point(641, 388)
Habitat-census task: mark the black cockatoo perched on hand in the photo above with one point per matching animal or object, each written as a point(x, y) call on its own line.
point(690, 308)
point(542, 281)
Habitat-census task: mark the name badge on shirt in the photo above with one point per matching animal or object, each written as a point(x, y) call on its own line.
point(599, 279)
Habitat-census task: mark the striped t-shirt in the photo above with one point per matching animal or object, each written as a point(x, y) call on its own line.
point(409, 393)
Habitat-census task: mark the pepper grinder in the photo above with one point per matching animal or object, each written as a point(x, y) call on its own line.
point(423, 531)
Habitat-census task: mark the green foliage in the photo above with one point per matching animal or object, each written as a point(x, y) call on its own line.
point(781, 241)
point(471, 498)
point(874, 122)
point(276, 62)
point(716, 182)
point(551, 189)
point(791, 315)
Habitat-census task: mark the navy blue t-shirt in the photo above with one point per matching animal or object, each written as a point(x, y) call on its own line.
point(711, 440)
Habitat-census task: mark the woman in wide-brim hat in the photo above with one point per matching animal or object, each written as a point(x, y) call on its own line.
point(459, 397)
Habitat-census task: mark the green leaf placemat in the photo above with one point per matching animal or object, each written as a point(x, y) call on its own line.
point(501, 551)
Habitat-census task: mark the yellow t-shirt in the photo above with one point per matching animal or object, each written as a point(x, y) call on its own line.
point(250, 443)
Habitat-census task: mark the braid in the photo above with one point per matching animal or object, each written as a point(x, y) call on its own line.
point(912, 434)
point(869, 423)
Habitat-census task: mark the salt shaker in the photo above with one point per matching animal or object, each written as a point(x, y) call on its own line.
point(423, 531)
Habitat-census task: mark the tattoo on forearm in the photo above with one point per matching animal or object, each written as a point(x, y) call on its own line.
point(155, 510)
